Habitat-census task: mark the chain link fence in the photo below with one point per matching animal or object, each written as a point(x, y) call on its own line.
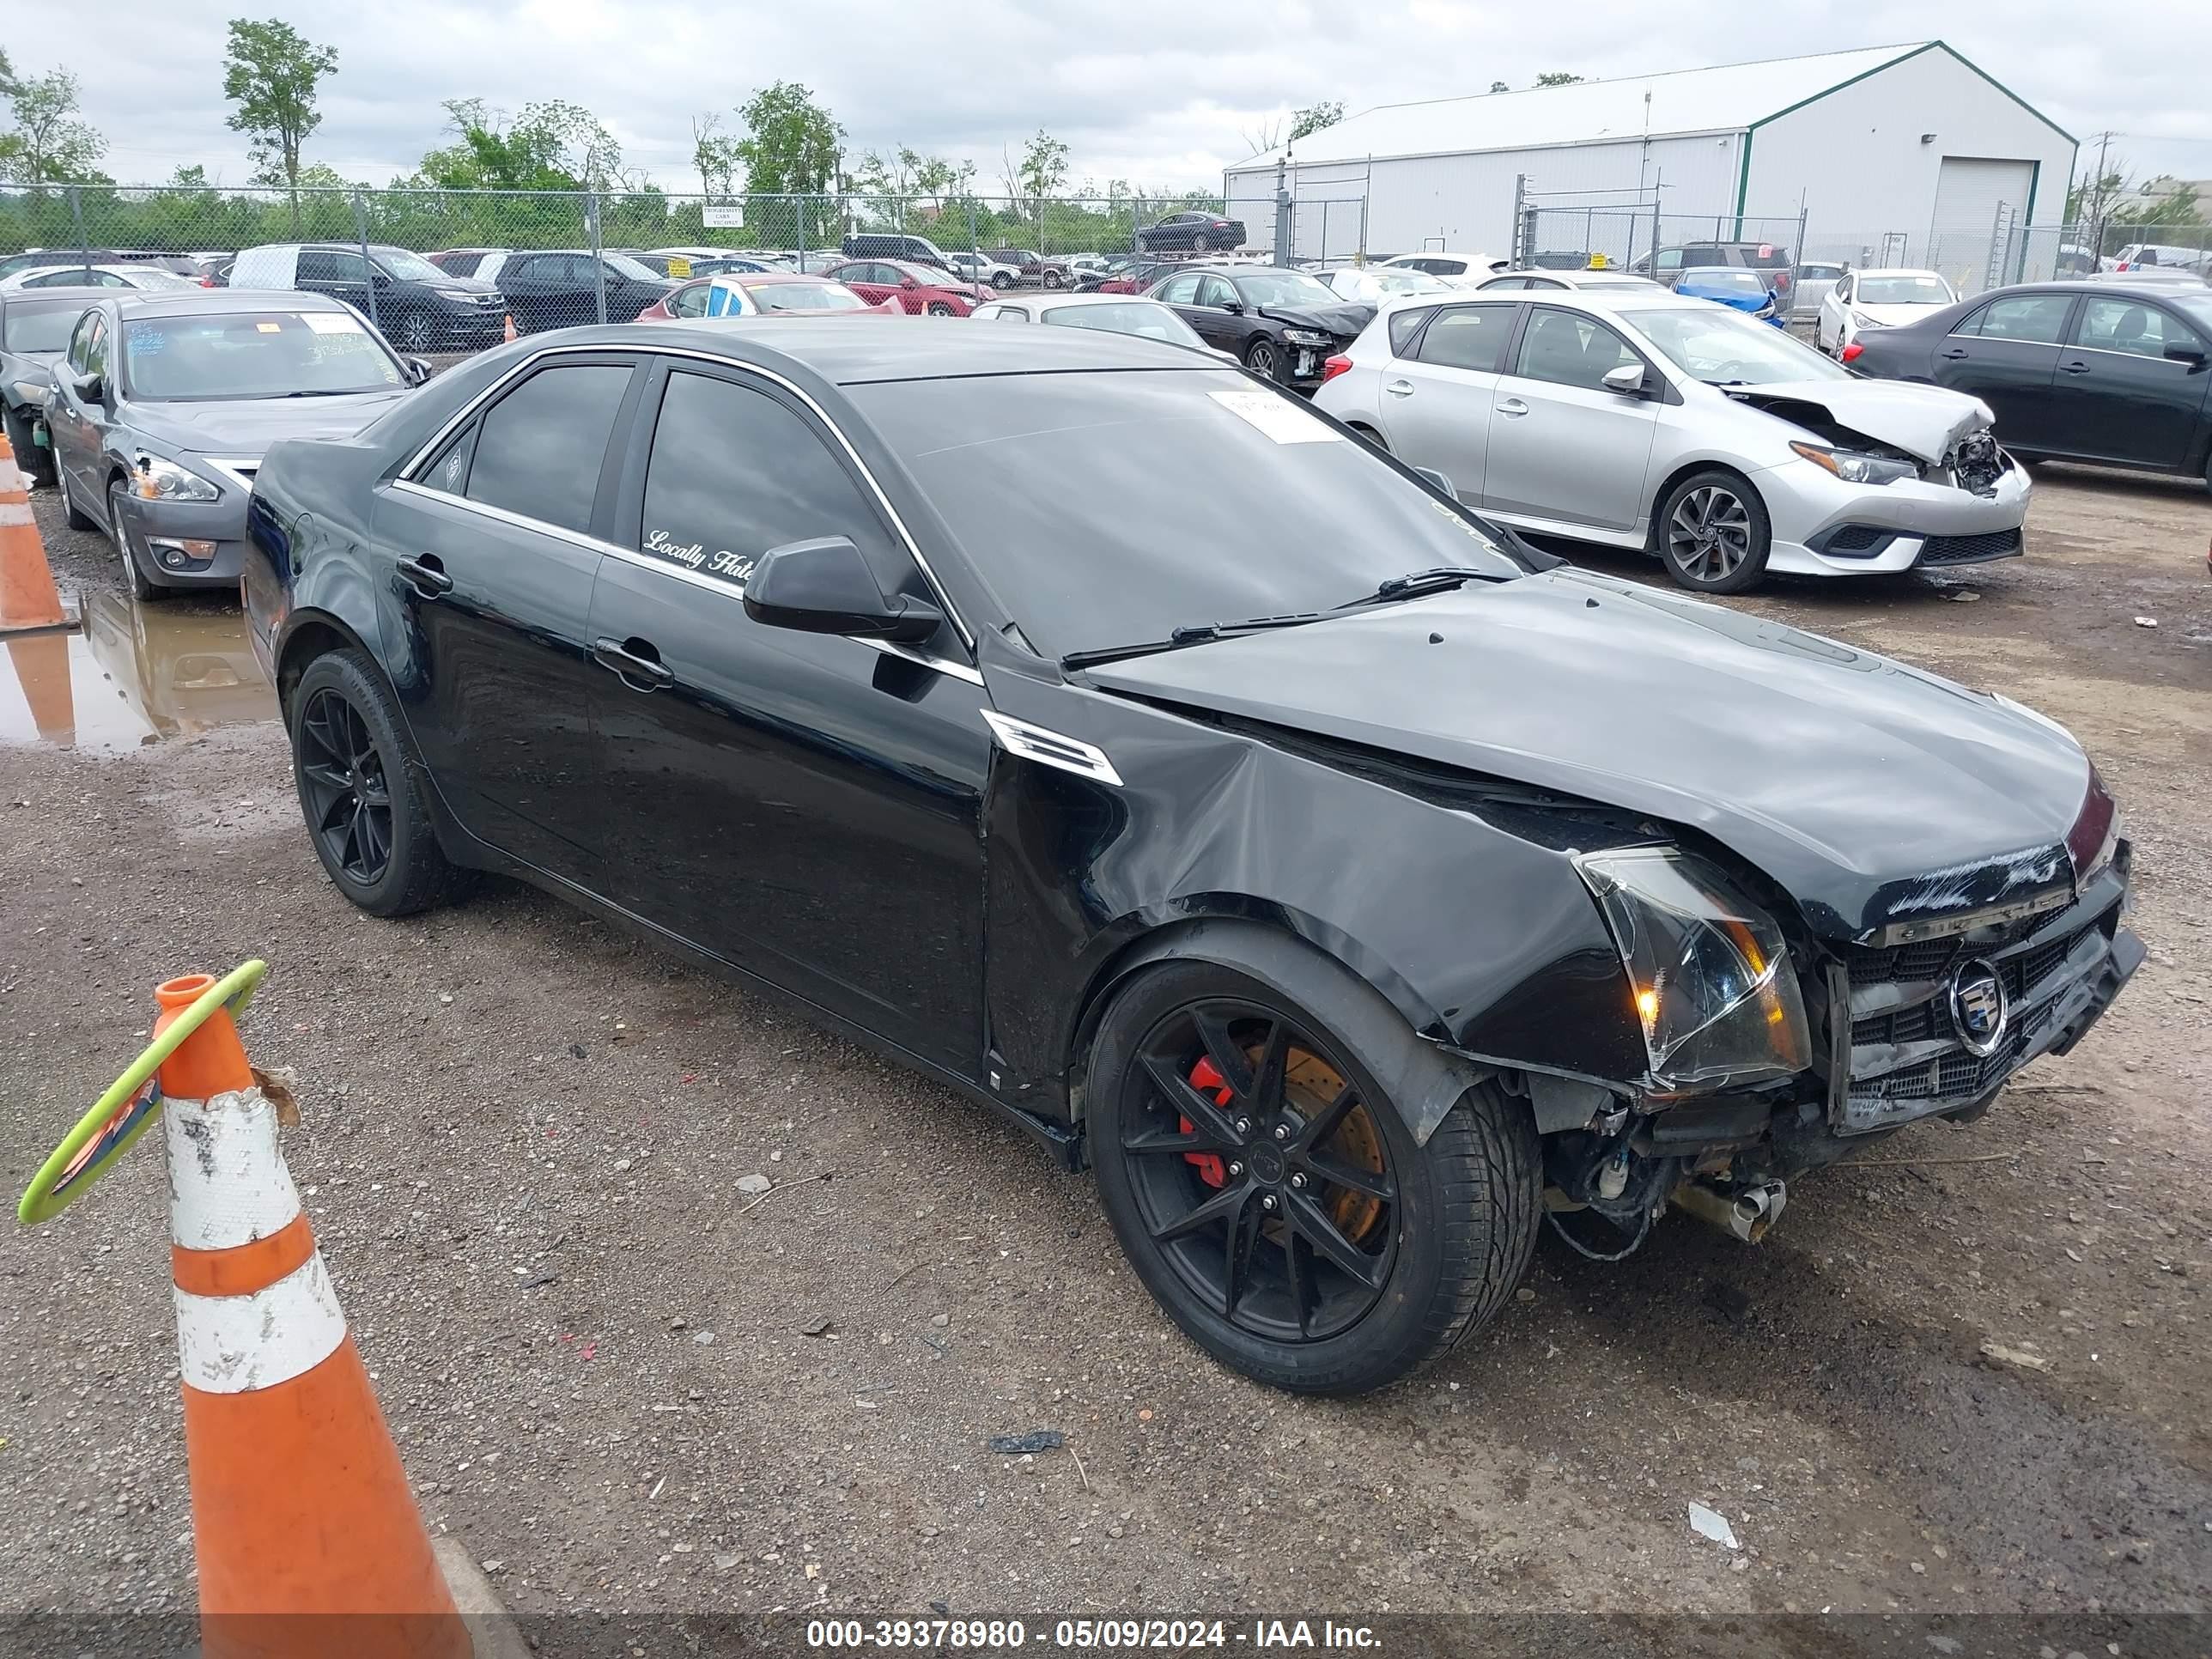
point(1626, 238)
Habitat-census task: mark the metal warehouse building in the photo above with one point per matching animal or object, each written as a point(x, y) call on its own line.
point(1905, 154)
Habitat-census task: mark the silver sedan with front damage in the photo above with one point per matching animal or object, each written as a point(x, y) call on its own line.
point(1721, 446)
point(162, 407)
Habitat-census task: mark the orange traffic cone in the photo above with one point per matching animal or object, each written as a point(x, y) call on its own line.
point(28, 596)
point(307, 1539)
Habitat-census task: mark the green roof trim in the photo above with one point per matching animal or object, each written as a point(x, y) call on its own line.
point(1743, 174)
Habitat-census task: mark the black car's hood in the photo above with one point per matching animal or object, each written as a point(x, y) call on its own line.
point(1345, 321)
point(1869, 790)
point(247, 426)
point(462, 284)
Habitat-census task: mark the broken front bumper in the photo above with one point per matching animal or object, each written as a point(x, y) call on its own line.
point(1897, 1051)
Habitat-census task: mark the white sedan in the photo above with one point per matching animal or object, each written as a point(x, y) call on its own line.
point(1882, 298)
point(114, 276)
point(1377, 285)
point(1115, 313)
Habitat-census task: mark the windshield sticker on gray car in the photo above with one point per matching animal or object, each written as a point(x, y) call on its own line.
point(732, 568)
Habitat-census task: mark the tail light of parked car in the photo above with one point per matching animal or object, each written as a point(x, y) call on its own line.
point(1851, 352)
point(1333, 366)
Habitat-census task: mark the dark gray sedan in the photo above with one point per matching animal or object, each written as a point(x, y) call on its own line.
point(163, 405)
point(35, 332)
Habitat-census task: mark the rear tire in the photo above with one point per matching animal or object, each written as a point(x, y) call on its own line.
point(33, 462)
point(1712, 533)
point(364, 793)
point(1438, 1234)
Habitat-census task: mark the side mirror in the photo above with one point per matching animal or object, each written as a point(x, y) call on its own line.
point(2193, 355)
point(825, 586)
point(380, 279)
point(92, 388)
point(419, 370)
point(1627, 380)
point(1235, 308)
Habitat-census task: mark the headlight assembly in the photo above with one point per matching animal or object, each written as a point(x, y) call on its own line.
point(1708, 971)
point(158, 480)
point(1852, 467)
point(1308, 337)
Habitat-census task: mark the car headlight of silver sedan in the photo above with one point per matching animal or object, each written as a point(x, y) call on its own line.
point(1708, 970)
point(1308, 337)
point(1853, 467)
point(160, 480)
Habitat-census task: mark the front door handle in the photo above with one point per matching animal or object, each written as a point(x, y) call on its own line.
point(427, 575)
point(2074, 368)
point(636, 662)
point(1400, 388)
point(1514, 407)
point(1951, 356)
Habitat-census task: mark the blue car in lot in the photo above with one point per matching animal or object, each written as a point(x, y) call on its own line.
point(1732, 285)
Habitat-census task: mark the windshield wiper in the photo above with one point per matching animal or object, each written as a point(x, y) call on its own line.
point(1415, 583)
point(333, 391)
point(1200, 633)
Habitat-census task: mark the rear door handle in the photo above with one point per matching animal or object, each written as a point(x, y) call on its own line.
point(1513, 406)
point(637, 663)
point(1400, 388)
point(2074, 368)
point(427, 575)
point(1951, 356)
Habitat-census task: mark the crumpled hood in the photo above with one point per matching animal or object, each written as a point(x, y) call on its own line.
point(1923, 421)
point(1870, 790)
point(1346, 319)
point(248, 426)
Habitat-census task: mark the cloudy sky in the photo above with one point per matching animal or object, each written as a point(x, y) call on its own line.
point(1159, 92)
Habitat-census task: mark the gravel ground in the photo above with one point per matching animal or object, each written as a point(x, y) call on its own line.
point(524, 1136)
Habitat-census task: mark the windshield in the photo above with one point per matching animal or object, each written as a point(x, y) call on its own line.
point(1904, 291)
point(255, 354)
point(45, 330)
point(1819, 273)
point(1148, 317)
point(1724, 281)
point(1058, 487)
point(630, 268)
point(1727, 348)
point(409, 267)
point(1283, 288)
point(806, 296)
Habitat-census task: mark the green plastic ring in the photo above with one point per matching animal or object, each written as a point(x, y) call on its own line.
point(60, 1181)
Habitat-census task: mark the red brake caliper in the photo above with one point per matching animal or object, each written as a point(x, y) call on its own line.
point(1204, 1075)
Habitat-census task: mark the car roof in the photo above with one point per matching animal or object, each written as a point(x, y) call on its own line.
point(46, 298)
point(846, 351)
point(1895, 270)
point(216, 301)
point(1062, 297)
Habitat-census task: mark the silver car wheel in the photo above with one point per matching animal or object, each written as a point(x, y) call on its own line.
point(1710, 535)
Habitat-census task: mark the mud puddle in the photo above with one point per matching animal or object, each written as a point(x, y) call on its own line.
point(133, 675)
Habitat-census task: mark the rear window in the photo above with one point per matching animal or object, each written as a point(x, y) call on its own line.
point(1766, 257)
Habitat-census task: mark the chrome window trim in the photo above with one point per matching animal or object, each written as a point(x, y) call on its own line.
point(958, 670)
point(644, 348)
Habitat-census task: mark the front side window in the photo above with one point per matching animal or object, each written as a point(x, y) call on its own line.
point(1180, 290)
point(80, 350)
point(403, 266)
point(1470, 337)
point(690, 301)
point(1215, 293)
point(542, 446)
point(1670, 258)
point(1566, 349)
point(2132, 328)
point(735, 471)
point(2037, 317)
point(256, 354)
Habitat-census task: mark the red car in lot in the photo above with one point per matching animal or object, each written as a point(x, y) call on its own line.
point(919, 289)
point(769, 293)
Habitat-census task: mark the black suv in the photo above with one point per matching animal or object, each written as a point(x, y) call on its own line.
point(560, 288)
point(915, 250)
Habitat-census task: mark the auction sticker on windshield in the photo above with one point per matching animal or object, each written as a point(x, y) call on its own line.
point(1285, 423)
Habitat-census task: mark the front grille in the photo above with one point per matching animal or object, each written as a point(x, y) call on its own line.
point(1907, 1058)
point(1965, 549)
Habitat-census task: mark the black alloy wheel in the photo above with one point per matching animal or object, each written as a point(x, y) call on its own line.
point(344, 787)
point(1259, 1171)
point(361, 790)
point(1270, 1195)
point(414, 336)
point(1264, 358)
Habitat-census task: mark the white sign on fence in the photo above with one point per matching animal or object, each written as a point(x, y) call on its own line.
point(732, 217)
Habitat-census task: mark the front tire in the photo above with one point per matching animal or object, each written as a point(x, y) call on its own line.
point(1264, 358)
point(362, 792)
point(142, 587)
point(1001, 281)
point(938, 308)
point(1713, 534)
point(1269, 1195)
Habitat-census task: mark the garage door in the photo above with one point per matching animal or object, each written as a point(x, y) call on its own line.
point(1970, 191)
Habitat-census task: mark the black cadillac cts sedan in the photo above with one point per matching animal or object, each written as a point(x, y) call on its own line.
point(1354, 890)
